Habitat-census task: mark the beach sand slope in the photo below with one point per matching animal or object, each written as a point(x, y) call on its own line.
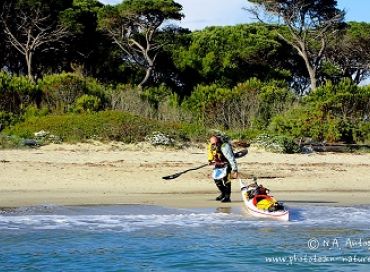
point(84, 174)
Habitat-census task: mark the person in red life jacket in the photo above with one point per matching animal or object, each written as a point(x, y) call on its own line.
point(221, 155)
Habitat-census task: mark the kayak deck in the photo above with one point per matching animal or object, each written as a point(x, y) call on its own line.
point(281, 215)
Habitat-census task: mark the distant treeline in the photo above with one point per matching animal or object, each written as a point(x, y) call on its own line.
point(82, 57)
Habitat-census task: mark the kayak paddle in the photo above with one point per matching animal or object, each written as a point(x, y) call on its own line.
point(173, 176)
point(239, 154)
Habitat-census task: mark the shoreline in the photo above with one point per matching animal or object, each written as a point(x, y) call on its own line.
point(94, 174)
point(184, 201)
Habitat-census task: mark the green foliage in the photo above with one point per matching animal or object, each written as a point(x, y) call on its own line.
point(87, 103)
point(33, 29)
point(153, 9)
point(155, 102)
point(247, 135)
point(61, 91)
point(349, 51)
point(331, 113)
point(273, 98)
point(306, 122)
point(362, 132)
point(80, 127)
point(247, 104)
point(329, 69)
point(310, 25)
point(345, 99)
point(8, 118)
point(133, 26)
point(45, 5)
point(104, 126)
point(206, 101)
point(7, 142)
point(305, 15)
point(278, 143)
point(77, 16)
point(32, 111)
point(155, 95)
point(17, 92)
point(229, 55)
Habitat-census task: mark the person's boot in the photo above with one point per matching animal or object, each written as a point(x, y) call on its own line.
point(226, 199)
point(220, 197)
point(222, 188)
point(227, 191)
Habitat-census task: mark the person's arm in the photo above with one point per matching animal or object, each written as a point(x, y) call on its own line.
point(229, 155)
point(210, 154)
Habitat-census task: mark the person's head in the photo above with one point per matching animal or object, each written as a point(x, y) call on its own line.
point(215, 142)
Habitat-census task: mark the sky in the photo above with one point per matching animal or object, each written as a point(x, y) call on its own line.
point(202, 13)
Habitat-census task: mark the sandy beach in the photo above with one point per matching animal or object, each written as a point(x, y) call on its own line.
point(84, 174)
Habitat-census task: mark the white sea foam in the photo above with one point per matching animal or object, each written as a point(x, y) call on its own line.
point(332, 215)
point(130, 218)
point(113, 222)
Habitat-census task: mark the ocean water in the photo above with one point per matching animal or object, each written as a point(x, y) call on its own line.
point(151, 238)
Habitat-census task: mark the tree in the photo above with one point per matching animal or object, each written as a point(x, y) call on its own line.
point(87, 47)
point(310, 24)
point(133, 25)
point(232, 54)
point(166, 72)
point(31, 26)
point(349, 53)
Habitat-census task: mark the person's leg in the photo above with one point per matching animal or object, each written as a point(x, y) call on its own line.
point(220, 185)
point(226, 181)
point(227, 190)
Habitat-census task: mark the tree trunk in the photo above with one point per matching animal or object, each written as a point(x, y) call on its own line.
point(310, 69)
point(147, 75)
point(29, 66)
point(313, 79)
point(149, 70)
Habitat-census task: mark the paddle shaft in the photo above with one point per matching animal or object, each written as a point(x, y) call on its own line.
point(176, 175)
point(239, 154)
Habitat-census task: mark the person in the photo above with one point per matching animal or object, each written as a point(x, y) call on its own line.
point(221, 155)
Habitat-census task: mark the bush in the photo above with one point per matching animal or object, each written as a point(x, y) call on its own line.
point(80, 127)
point(278, 143)
point(17, 92)
point(273, 98)
point(306, 122)
point(61, 91)
point(362, 132)
point(87, 103)
point(32, 111)
point(7, 119)
point(331, 113)
point(104, 126)
point(10, 141)
point(206, 103)
point(247, 104)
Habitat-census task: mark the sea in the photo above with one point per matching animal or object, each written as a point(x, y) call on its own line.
point(152, 238)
